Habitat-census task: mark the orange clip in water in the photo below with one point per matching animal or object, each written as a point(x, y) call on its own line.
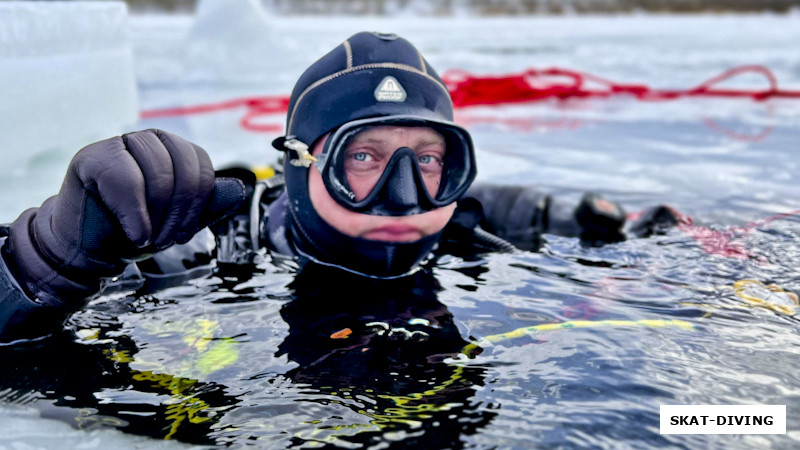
point(342, 334)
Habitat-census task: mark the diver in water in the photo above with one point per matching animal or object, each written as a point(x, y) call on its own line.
point(376, 178)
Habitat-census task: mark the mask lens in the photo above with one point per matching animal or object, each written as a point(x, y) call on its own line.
point(397, 165)
point(366, 152)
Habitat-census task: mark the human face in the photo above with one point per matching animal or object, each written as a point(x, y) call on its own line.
point(368, 150)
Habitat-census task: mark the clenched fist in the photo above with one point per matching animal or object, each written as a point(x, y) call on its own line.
point(121, 199)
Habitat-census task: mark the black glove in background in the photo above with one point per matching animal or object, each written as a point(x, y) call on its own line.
point(122, 198)
point(654, 221)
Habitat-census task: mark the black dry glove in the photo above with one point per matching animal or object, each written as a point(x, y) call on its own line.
point(122, 198)
point(600, 220)
point(654, 221)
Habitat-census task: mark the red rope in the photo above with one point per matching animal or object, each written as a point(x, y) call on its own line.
point(728, 242)
point(256, 107)
point(532, 85)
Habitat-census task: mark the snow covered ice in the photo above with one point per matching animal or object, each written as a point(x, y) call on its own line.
point(66, 79)
point(67, 74)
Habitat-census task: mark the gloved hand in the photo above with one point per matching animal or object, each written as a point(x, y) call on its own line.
point(654, 221)
point(121, 199)
point(600, 220)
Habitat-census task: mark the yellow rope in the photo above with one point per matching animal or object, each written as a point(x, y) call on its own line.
point(525, 331)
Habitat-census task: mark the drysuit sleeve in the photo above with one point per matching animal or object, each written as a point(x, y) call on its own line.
point(521, 214)
point(20, 315)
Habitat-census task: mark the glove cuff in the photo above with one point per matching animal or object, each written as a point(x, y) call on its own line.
point(45, 273)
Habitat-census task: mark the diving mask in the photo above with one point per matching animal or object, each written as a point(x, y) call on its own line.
point(364, 172)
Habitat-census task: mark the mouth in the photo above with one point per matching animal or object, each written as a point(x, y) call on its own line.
point(394, 233)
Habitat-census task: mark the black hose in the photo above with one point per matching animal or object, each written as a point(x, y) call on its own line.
point(495, 243)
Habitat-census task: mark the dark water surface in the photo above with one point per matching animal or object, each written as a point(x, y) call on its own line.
point(271, 359)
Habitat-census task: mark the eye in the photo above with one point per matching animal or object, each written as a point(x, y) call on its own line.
point(362, 156)
point(429, 159)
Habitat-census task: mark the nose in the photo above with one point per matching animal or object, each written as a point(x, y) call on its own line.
point(401, 190)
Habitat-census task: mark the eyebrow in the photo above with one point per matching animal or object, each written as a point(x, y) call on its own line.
point(423, 141)
point(370, 140)
point(433, 140)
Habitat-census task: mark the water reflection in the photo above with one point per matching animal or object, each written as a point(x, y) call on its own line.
point(364, 363)
point(94, 386)
point(376, 348)
point(577, 343)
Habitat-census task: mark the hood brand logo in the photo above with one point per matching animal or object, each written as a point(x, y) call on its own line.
point(390, 90)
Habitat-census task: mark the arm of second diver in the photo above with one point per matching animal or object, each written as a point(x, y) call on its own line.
point(521, 214)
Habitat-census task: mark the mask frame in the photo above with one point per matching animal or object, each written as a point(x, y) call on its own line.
point(400, 190)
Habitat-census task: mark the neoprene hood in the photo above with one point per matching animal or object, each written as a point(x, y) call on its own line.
point(341, 87)
point(369, 75)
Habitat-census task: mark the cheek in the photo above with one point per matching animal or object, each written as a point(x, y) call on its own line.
point(432, 183)
point(362, 185)
point(316, 188)
point(434, 221)
point(341, 219)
